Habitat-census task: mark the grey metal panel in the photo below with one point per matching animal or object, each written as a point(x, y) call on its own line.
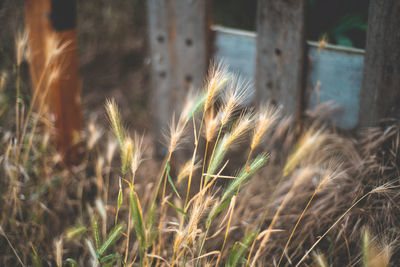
point(338, 69)
point(339, 73)
point(237, 49)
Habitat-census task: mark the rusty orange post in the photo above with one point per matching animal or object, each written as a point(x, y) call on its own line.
point(49, 22)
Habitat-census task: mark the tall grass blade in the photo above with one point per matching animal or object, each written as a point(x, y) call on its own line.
point(217, 158)
point(119, 201)
point(109, 257)
point(170, 180)
point(239, 249)
point(111, 263)
point(178, 209)
point(137, 216)
point(319, 260)
point(75, 232)
point(92, 251)
point(197, 106)
point(153, 207)
point(72, 262)
point(111, 238)
point(37, 262)
point(366, 239)
point(96, 233)
point(244, 174)
point(216, 210)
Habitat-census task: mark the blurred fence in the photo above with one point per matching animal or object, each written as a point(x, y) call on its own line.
point(285, 68)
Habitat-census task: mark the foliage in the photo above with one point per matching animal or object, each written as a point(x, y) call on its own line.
point(310, 189)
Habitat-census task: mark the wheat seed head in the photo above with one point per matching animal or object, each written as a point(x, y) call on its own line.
point(137, 154)
point(242, 125)
point(175, 134)
point(186, 169)
point(114, 117)
point(233, 97)
point(54, 47)
point(21, 41)
point(217, 78)
point(264, 119)
point(127, 154)
point(3, 79)
point(211, 124)
point(309, 142)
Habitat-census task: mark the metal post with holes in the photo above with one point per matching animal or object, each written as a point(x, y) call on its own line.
point(380, 91)
point(179, 36)
point(280, 60)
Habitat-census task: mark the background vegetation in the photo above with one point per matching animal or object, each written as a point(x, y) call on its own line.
point(328, 195)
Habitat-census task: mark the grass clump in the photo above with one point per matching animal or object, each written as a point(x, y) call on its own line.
point(285, 196)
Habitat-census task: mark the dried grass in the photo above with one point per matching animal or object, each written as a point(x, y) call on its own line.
point(314, 197)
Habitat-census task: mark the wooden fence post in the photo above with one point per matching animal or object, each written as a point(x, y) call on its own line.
point(281, 48)
point(56, 19)
point(380, 91)
point(179, 36)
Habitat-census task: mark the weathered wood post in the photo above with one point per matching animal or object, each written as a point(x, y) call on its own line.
point(281, 50)
point(380, 92)
point(56, 19)
point(180, 41)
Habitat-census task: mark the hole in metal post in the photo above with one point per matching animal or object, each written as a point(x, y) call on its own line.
point(188, 78)
point(160, 39)
point(188, 42)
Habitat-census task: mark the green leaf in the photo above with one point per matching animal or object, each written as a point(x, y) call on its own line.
point(217, 210)
point(239, 249)
point(201, 98)
point(119, 202)
point(197, 106)
point(136, 211)
point(177, 209)
point(152, 215)
point(170, 180)
point(217, 158)
point(153, 207)
point(75, 232)
point(37, 262)
point(72, 262)
point(111, 263)
point(96, 233)
point(366, 241)
point(245, 173)
point(111, 238)
point(108, 257)
point(137, 216)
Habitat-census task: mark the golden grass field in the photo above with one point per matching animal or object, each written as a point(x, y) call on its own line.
point(238, 186)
